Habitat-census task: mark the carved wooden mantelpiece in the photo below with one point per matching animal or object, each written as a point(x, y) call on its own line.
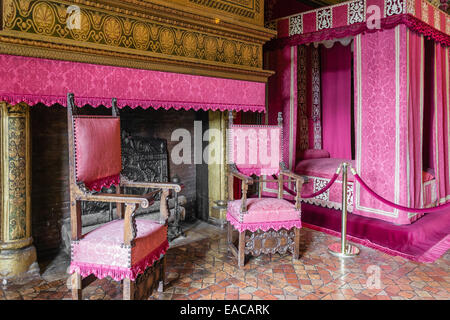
point(210, 38)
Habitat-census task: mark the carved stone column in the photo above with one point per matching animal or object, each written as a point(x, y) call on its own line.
point(17, 253)
point(217, 182)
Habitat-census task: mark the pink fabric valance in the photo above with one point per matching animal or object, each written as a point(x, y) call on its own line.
point(354, 17)
point(35, 80)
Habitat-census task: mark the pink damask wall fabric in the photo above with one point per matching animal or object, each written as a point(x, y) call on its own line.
point(35, 80)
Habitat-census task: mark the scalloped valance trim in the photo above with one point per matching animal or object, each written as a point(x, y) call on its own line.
point(95, 102)
point(352, 30)
point(38, 80)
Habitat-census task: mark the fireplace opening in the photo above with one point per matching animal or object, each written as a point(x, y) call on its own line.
point(146, 154)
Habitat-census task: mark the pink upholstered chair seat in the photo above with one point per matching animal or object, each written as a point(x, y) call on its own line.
point(101, 252)
point(264, 214)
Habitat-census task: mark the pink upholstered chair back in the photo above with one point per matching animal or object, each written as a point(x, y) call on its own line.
point(255, 149)
point(97, 143)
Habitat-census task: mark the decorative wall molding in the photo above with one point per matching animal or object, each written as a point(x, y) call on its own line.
point(245, 9)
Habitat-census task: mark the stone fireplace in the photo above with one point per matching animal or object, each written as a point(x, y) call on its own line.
point(148, 133)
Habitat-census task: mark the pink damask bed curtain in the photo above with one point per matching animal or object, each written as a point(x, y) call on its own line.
point(336, 100)
point(388, 122)
point(415, 114)
point(441, 122)
point(392, 113)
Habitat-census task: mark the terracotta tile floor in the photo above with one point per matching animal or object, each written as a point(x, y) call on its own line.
point(199, 267)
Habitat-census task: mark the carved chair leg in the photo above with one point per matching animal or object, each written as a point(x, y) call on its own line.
point(241, 250)
point(162, 281)
point(296, 253)
point(128, 289)
point(76, 286)
point(229, 235)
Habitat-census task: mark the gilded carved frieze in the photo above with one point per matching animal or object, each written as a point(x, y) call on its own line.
point(130, 34)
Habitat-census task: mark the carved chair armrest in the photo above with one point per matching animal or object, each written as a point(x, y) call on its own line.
point(152, 185)
point(131, 202)
point(143, 200)
point(163, 187)
point(246, 181)
point(235, 173)
point(292, 175)
point(299, 181)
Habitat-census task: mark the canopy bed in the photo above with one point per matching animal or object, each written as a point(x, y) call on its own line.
point(373, 93)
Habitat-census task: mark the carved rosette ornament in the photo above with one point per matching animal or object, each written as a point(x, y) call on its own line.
point(112, 30)
point(141, 36)
point(210, 48)
point(167, 39)
point(44, 18)
point(83, 32)
point(190, 44)
point(229, 50)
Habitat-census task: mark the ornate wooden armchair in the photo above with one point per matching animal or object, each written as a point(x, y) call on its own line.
point(127, 249)
point(265, 225)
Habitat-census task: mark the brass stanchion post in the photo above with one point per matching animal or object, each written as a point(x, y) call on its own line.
point(343, 249)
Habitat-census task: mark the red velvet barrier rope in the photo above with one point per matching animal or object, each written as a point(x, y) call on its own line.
point(329, 184)
point(396, 206)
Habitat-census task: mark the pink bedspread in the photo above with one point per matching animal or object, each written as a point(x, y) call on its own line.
point(322, 168)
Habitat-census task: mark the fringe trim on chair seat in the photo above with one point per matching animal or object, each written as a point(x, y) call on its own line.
point(263, 226)
point(119, 273)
